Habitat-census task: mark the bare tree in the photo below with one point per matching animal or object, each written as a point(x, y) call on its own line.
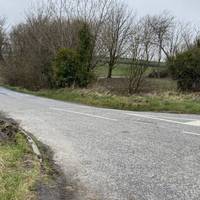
point(116, 33)
point(142, 51)
point(33, 47)
point(2, 39)
point(161, 25)
point(190, 35)
point(173, 43)
point(172, 36)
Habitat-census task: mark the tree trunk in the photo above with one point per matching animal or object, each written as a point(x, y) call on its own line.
point(159, 60)
point(2, 61)
point(110, 68)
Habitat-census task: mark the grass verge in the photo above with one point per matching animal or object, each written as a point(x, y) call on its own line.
point(22, 175)
point(163, 102)
point(19, 170)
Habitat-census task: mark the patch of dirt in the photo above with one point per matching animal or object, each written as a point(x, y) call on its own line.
point(27, 162)
point(8, 129)
point(51, 191)
point(56, 188)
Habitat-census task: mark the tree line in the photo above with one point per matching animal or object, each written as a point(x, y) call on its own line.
point(60, 43)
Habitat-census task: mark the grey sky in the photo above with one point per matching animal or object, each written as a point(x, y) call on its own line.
point(187, 10)
point(13, 10)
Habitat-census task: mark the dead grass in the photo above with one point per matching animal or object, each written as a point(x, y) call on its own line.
point(119, 86)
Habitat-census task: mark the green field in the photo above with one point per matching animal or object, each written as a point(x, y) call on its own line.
point(121, 70)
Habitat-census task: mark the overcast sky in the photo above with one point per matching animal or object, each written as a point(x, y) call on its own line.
point(186, 10)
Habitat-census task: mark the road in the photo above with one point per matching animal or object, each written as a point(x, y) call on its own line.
point(111, 154)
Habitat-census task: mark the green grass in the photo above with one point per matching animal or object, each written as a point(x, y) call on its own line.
point(21, 173)
point(160, 102)
point(16, 179)
point(119, 70)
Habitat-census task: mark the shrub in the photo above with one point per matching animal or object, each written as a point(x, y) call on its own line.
point(85, 51)
point(65, 67)
point(85, 47)
point(186, 69)
point(84, 77)
point(74, 67)
point(68, 70)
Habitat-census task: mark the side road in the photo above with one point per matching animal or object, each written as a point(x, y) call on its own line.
point(112, 154)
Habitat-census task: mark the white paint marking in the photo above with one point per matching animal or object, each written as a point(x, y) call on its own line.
point(85, 114)
point(177, 118)
point(194, 123)
point(151, 117)
point(191, 133)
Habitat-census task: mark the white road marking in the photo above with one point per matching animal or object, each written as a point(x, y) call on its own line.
point(177, 118)
point(193, 123)
point(151, 117)
point(85, 114)
point(191, 133)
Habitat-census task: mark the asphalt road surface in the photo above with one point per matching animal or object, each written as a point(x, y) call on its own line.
point(111, 154)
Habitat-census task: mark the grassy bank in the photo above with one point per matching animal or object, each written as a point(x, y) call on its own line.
point(22, 175)
point(161, 102)
point(19, 170)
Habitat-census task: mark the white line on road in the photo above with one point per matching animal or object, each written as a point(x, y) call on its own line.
point(191, 133)
point(85, 114)
point(177, 118)
point(194, 123)
point(151, 117)
point(191, 123)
